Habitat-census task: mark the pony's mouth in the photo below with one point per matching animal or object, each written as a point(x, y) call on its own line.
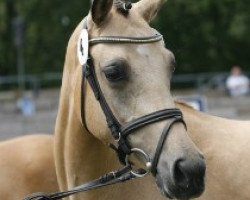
point(162, 188)
point(172, 191)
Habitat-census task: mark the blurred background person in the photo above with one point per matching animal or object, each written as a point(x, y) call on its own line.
point(237, 83)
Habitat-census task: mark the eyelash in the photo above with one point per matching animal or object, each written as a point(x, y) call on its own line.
point(114, 74)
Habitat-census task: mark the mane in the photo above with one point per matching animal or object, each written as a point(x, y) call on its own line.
point(123, 6)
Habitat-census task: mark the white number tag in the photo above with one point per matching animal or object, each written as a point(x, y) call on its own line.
point(83, 47)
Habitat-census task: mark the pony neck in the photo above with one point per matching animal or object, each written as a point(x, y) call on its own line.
point(207, 129)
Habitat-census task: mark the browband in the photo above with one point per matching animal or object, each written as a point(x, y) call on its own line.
point(120, 40)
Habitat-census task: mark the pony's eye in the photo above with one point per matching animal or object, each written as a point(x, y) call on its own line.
point(114, 73)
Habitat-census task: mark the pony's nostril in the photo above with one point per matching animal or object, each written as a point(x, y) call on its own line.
point(179, 175)
point(189, 176)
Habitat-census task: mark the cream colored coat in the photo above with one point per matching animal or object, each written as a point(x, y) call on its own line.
point(26, 166)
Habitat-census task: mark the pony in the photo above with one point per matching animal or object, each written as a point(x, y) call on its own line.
point(134, 81)
point(27, 166)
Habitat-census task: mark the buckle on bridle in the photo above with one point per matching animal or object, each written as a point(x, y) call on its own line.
point(140, 172)
point(119, 137)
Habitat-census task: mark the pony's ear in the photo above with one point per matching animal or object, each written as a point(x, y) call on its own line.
point(149, 8)
point(100, 10)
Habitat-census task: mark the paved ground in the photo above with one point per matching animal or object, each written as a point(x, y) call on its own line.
point(13, 124)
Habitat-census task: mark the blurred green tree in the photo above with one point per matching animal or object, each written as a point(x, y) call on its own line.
point(48, 25)
point(207, 35)
point(204, 35)
point(7, 51)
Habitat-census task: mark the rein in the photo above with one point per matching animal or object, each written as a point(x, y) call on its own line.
point(119, 132)
point(111, 178)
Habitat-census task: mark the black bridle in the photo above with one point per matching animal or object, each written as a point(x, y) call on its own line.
point(120, 132)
